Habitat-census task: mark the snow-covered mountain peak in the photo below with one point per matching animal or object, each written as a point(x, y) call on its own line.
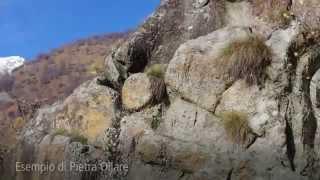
point(8, 64)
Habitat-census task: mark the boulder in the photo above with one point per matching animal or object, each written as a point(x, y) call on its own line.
point(135, 125)
point(193, 73)
point(66, 157)
point(260, 105)
point(48, 151)
point(140, 90)
point(188, 122)
point(191, 139)
point(152, 43)
point(90, 110)
point(166, 145)
point(38, 127)
point(174, 153)
point(65, 127)
point(136, 92)
point(87, 112)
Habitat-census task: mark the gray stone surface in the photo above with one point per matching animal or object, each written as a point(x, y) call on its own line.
point(193, 72)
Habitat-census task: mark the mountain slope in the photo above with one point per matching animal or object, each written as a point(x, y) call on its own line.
point(54, 75)
point(8, 64)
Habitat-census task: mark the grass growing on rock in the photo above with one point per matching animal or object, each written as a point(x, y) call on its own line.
point(236, 126)
point(60, 132)
point(156, 120)
point(158, 89)
point(96, 68)
point(156, 70)
point(246, 59)
point(78, 137)
point(74, 135)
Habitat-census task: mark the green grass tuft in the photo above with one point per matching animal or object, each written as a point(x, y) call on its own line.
point(60, 131)
point(156, 70)
point(78, 137)
point(74, 135)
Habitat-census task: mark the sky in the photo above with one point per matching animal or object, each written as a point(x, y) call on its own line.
point(31, 27)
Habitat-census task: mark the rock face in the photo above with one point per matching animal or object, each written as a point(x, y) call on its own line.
point(193, 134)
point(173, 23)
point(91, 109)
point(85, 117)
point(194, 73)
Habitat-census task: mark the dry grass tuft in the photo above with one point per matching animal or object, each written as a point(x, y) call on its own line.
point(96, 68)
point(236, 126)
point(156, 73)
point(246, 59)
point(158, 88)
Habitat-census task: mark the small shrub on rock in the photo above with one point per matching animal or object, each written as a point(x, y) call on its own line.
point(246, 59)
point(156, 70)
point(236, 126)
point(78, 137)
point(158, 89)
point(96, 67)
point(19, 123)
point(60, 131)
point(74, 135)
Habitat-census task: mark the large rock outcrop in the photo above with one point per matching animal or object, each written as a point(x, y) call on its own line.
point(173, 23)
point(215, 124)
point(84, 117)
point(91, 109)
point(194, 73)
